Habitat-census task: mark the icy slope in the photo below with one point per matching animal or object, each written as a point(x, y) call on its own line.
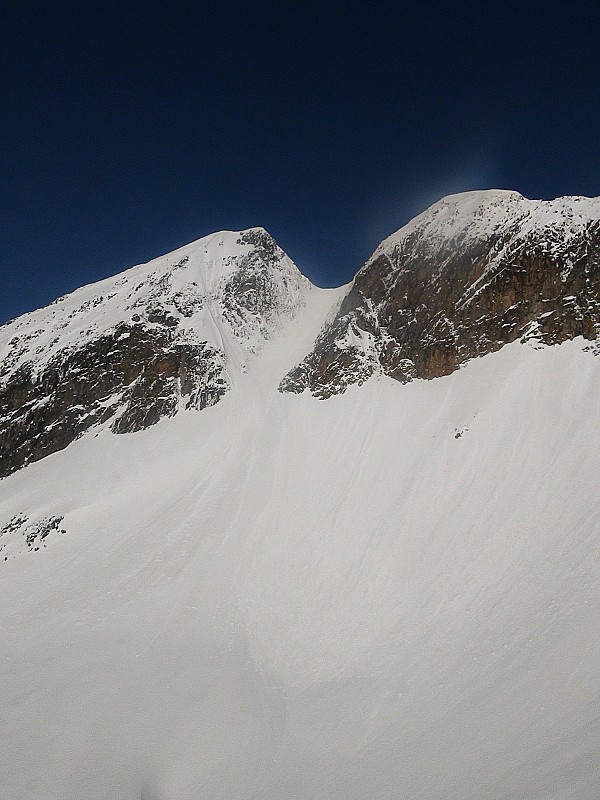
point(393, 594)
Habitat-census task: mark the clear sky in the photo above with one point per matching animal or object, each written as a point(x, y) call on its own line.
point(129, 129)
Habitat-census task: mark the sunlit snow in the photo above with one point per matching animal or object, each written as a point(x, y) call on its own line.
point(392, 594)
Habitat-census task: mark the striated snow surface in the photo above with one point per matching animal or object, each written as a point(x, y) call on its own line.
point(392, 594)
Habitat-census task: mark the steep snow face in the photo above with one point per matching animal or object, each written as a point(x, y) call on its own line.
point(469, 275)
point(392, 594)
point(172, 334)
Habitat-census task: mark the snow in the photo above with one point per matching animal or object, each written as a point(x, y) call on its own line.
point(189, 283)
point(391, 594)
point(283, 597)
point(481, 215)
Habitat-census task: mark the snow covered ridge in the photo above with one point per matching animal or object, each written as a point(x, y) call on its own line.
point(168, 335)
point(469, 275)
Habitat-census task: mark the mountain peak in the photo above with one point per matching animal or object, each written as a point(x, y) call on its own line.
point(473, 272)
point(166, 335)
point(483, 214)
point(483, 195)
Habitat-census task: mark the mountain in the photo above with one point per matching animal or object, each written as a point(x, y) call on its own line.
point(217, 583)
point(469, 275)
point(168, 335)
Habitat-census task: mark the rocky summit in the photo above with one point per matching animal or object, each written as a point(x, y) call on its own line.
point(130, 350)
point(469, 275)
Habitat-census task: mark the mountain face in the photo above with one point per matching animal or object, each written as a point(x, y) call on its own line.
point(130, 350)
point(471, 274)
point(216, 583)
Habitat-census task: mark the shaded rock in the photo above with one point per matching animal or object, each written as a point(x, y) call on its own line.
point(136, 374)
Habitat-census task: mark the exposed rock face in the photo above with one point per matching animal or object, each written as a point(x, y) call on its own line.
point(471, 274)
point(261, 291)
point(135, 374)
point(131, 350)
point(21, 534)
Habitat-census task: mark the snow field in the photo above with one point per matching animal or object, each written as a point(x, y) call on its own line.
point(286, 598)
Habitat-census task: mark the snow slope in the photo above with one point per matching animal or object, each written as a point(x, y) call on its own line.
point(391, 594)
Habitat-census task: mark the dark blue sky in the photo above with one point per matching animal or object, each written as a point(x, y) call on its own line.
point(131, 129)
